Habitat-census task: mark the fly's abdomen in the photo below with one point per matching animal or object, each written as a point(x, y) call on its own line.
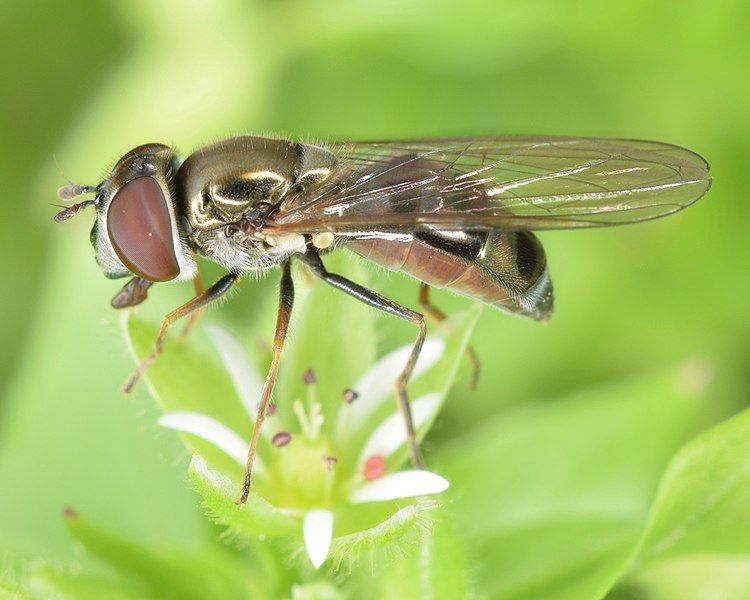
point(507, 270)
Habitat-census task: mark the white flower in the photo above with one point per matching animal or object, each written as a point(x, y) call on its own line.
point(368, 481)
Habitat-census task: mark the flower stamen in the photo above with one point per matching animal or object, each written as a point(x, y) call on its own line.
point(282, 438)
point(350, 395)
point(309, 377)
point(311, 424)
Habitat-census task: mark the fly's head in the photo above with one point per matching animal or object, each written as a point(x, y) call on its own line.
point(138, 230)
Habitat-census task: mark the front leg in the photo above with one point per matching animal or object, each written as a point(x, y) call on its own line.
point(196, 315)
point(312, 260)
point(217, 290)
point(286, 301)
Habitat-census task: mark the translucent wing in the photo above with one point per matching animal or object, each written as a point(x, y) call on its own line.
point(508, 183)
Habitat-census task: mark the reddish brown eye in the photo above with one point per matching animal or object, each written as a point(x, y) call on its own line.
point(141, 231)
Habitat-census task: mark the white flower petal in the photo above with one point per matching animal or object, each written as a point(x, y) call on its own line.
point(403, 484)
point(377, 383)
point(247, 382)
point(318, 532)
point(391, 433)
point(210, 430)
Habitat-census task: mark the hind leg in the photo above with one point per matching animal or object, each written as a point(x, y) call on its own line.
point(437, 315)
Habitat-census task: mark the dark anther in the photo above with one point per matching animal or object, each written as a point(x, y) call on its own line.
point(330, 462)
point(309, 377)
point(350, 395)
point(282, 438)
point(271, 409)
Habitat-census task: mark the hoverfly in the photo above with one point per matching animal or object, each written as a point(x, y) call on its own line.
point(452, 213)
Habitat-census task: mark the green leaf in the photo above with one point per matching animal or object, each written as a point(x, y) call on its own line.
point(553, 496)
point(51, 583)
point(413, 554)
point(317, 590)
point(174, 574)
point(185, 379)
point(690, 578)
point(10, 589)
point(256, 519)
point(703, 497)
point(439, 568)
point(700, 513)
point(400, 528)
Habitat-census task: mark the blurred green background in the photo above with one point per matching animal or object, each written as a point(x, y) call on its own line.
point(84, 82)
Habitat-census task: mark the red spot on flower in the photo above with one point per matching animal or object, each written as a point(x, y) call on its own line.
point(374, 467)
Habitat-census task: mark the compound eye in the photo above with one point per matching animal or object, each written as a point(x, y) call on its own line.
point(140, 229)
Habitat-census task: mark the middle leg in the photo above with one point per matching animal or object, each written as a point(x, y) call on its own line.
point(286, 301)
point(312, 260)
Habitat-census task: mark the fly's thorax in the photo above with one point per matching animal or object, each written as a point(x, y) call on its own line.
point(137, 229)
point(230, 189)
point(221, 183)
